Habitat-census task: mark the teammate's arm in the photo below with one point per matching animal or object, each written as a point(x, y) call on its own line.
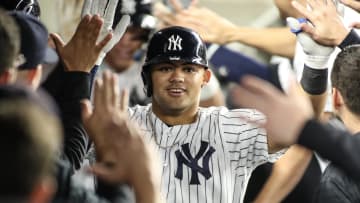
point(214, 28)
point(286, 173)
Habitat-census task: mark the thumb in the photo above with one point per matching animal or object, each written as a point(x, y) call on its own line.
point(105, 172)
point(86, 110)
point(59, 43)
point(295, 24)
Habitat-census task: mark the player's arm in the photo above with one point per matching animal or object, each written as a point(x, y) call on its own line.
point(286, 173)
point(214, 28)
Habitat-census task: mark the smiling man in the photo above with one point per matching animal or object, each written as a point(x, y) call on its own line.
point(207, 154)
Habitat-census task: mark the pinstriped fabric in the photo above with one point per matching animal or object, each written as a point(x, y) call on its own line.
point(238, 148)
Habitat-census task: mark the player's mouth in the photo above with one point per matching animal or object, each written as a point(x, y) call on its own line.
point(176, 92)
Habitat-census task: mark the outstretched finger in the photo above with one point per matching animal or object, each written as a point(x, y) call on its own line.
point(121, 27)
point(302, 10)
point(116, 91)
point(176, 4)
point(102, 7)
point(86, 111)
point(94, 7)
point(86, 8)
point(193, 3)
point(104, 42)
point(110, 12)
point(98, 91)
point(104, 172)
point(124, 100)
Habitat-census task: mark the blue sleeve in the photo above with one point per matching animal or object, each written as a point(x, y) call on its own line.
point(233, 65)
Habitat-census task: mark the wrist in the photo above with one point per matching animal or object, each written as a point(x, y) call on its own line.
point(342, 34)
point(230, 34)
point(316, 62)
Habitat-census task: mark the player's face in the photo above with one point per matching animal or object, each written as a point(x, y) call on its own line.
point(121, 56)
point(177, 86)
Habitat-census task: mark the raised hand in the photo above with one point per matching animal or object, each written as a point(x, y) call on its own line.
point(326, 26)
point(106, 10)
point(279, 108)
point(82, 51)
point(123, 156)
point(206, 22)
point(317, 55)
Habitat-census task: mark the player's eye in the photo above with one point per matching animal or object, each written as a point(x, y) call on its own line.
point(189, 69)
point(165, 68)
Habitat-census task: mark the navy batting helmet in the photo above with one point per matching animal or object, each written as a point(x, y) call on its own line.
point(173, 44)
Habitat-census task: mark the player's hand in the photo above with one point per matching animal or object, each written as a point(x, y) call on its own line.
point(82, 51)
point(123, 156)
point(317, 55)
point(106, 9)
point(204, 21)
point(326, 25)
point(293, 108)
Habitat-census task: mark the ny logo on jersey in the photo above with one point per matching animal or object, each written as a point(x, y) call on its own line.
point(204, 152)
point(175, 43)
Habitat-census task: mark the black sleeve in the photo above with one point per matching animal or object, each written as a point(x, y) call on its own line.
point(68, 89)
point(314, 81)
point(338, 146)
point(351, 39)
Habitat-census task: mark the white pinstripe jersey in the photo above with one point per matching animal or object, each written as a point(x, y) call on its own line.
point(219, 139)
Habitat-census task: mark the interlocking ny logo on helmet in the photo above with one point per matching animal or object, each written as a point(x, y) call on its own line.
point(173, 44)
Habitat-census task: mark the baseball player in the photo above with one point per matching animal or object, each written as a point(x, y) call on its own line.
point(127, 55)
point(207, 154)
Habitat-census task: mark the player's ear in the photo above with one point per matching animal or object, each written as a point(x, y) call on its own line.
point(207, 75)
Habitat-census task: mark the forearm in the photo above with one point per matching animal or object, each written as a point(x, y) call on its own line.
point(286, 173)
point(68, 89)
point(276, 41)
point(147, 187)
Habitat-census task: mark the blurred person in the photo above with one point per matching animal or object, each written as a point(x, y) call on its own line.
point(34, 48)
point(9, 54)
point(27, 144)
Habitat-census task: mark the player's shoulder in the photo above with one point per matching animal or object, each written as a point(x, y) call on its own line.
point(139, 110)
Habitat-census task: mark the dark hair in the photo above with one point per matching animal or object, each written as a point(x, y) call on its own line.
point(345, 76)
point(28, 146)
point(9, 40)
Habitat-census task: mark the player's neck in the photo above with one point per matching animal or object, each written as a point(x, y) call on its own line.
point(172, 118)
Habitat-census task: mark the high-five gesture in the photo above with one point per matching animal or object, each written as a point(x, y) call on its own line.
point(122, 154)
point(106, 10)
